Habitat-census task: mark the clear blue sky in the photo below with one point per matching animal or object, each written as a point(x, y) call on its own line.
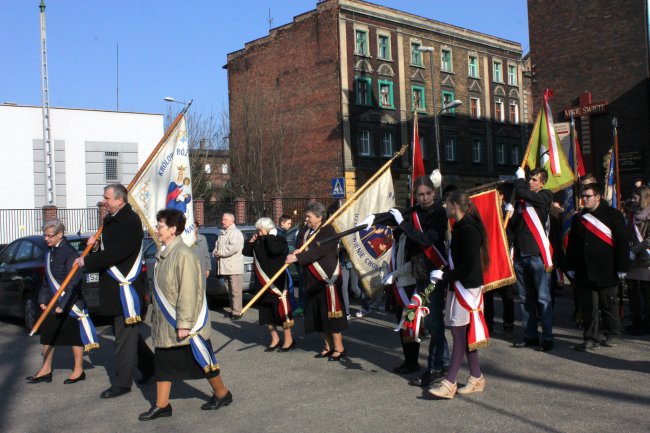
point(172, 47)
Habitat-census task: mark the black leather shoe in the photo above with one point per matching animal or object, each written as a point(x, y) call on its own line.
point(336, 355)
point(324, 354)
point(47, 378)
point(81, 377)
point(427, 378)
point(156, 412)
point(286, 349)
point(406, 369)
point(545, 346)
point(145, 379)
point(526, 342)
point(272, 348)
point(587, 346)
point(114, 391)
point(215, 403)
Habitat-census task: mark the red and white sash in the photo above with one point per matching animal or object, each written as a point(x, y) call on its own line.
point(333, 303)
point(537, 229)
point(595, 226)
point(639, 237)
point(411, 328)
point(432, 253)
point(398, 291)
point(284, 308)
point(477, 335)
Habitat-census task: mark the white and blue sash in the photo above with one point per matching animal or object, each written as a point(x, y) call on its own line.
point(86, 327)
point(128, 295)
point(201, 349)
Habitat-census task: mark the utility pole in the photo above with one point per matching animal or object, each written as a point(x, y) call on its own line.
point(48, 145)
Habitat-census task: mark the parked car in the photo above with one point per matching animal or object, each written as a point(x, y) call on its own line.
point(22, 270)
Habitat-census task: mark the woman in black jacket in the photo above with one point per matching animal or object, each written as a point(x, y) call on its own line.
point(468, 258)
point(269, 251)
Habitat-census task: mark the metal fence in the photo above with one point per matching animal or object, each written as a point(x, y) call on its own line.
point(79, 220)
point(213, 210)
point(15, 223)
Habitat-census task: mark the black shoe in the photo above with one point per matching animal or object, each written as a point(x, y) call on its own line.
point(545, 346)
point(215, 403)
point(609, 341)
point(526, 342)
point(156, 412)
point(427, 378)
point(587, 346)
point(235, 316)
point(286, 349)
point(81, 377)
point(324, 354)
point(272, 348)
point(114, 391)
point(146, 378)
point(336, 355)
point(47, 378)
point(406, 369)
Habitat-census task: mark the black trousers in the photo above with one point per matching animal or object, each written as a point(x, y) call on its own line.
point(131, 352)
point(508, 299)
point(599, 300)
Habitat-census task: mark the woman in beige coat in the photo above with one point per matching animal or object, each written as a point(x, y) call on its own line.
point(180, 325)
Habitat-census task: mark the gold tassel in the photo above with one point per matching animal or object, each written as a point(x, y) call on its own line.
point(334, 314)
point(287, 324)
point(89, 347)
point(212, 367)
point(498, 284)
point(132, 320)
point(479, 344)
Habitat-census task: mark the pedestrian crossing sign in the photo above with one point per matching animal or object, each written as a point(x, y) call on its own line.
point(338, 187)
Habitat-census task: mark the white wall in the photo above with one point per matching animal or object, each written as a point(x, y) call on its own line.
point(21, 125)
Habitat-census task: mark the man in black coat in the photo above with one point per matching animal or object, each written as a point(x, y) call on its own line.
point(597, 259)
point(119, 246)
point(532, 259)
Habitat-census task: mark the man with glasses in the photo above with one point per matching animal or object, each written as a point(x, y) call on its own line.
point(597, 259)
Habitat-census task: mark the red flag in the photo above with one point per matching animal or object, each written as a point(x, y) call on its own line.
point(418, 163)
point(579, 164)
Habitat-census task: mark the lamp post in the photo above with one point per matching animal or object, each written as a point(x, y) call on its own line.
point(186, 104)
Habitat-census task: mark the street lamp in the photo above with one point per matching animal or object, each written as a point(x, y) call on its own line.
point(185, 103)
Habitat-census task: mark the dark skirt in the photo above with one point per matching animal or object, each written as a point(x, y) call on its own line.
point(268, 310)
point(316, 319)
point(177, 363)
point(60, 330)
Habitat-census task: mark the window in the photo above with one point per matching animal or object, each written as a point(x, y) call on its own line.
point(473, 66)
point(387, 144)
point(448, 98)
point(496, 72)
point(514, 154)
point(477, 150)
point(361, 47)
point(364, 91)
point(416, 55)
point(383, 47)
point(446, 62)
point(25, 252)
point(513, 112)
point(501, 153)
point(450, 148)
point(224, 168)
point(419, 103)
point(498, 111)
point(475, 108)
point(364, 143)
point(207, 168)
point(111, 167)
point(9, 253)
point(512, 75)
point(386, 94)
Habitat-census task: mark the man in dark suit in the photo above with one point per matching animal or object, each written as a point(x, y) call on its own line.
point(597, 259)
point(117, 258)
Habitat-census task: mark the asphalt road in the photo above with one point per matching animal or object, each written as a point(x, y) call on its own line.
point(527, 391)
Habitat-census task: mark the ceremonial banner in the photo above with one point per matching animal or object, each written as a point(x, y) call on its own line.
point(610, 191)
point(166, 182)
point(544, 151)
point(369, 249)
point(500, 272)
point(417, 166)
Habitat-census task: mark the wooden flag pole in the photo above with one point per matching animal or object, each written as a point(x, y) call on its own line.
point(75, 267)
point(335, 215)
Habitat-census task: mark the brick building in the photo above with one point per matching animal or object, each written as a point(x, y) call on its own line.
point(335, 92)
point(594, 55)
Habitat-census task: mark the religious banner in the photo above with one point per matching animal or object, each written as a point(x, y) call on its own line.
point(500, 271)
point(369, 249)
point(166, 182)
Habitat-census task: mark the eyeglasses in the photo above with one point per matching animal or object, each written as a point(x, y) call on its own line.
point(160, 226)
point(46, 236)
point(586, 196)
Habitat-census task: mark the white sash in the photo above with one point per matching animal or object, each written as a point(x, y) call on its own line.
point(539, 233)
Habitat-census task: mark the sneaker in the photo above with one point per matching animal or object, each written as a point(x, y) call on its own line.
point(474, 384)
point(609, 341)
point(587, 346)
point(444, 389)
point(363, 312)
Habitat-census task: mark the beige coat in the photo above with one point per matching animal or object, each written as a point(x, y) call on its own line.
point(230, 244)
point(178, 277)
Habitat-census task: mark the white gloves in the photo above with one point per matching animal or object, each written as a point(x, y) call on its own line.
point(509, 208)
point(387, 280)
point(397, 215)
point(368, 221)
point(622, 275)
point(520, 173)
point(570, 274)
point(435, 275)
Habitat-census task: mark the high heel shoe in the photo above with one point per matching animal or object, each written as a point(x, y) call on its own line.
point(286, 349)
point(47, 378)
point(338, 357)
point(324, 353)
point(79, 378)
point(272, 348)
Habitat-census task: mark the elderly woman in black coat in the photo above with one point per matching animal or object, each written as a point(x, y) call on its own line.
point(269, 251)
point(62, 327)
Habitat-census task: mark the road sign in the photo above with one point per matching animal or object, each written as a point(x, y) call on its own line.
point(338, 187)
